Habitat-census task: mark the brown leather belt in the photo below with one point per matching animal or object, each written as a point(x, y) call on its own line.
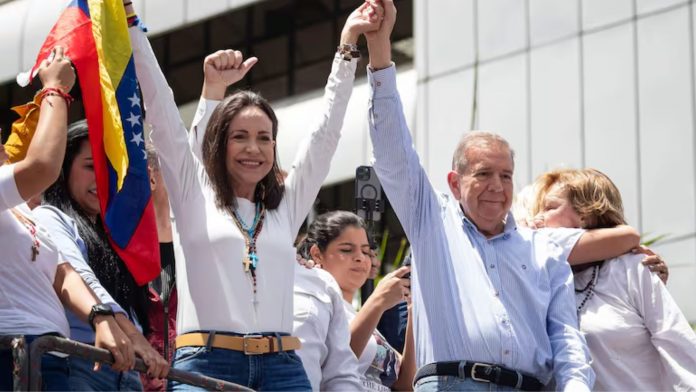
point(249, 344)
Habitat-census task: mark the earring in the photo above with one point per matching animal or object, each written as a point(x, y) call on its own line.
point(262, 192)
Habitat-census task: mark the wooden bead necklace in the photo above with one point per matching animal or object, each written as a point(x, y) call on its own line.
point(251, 233)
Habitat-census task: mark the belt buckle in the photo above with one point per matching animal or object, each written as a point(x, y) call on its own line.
point(473, 372)
point(245, 344)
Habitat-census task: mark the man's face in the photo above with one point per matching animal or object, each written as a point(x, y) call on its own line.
point(484, 189)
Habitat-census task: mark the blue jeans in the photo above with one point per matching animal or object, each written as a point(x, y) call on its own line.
point(84, 378)
point(452, 383)
point(54, 370)
point(281, 371)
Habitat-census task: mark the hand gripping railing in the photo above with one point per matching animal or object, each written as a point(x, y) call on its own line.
point(52, 343)
point(20, 362)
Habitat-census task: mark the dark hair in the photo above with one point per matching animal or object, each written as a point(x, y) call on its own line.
point(326, 228)
point(214, 148)
point(108, 267)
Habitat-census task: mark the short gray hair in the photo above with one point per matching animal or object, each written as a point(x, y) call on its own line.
point(477, 139)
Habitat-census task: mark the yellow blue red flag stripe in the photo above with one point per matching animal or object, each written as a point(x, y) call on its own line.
point(95, 34)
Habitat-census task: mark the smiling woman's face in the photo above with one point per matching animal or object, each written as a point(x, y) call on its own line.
point(82, 184)
point(250, 149)
point(347, 258)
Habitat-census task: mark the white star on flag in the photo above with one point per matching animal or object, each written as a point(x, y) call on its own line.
point(137, 138)
point(134, 100)
point(133, 119)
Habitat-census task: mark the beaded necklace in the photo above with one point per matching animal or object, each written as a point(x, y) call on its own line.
point(31, 226)
point(251, 234)
point(589, 288)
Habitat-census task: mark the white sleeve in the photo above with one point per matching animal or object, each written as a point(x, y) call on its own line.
point(9, 193)
point(181, 171)
point(565, 238)
point(672, 335)
point(313, 158)
point(310, 321)
point(571, 355)
point(199, 124)
point(340, 368)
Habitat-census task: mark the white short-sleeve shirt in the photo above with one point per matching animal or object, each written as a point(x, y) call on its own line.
point(29, 304)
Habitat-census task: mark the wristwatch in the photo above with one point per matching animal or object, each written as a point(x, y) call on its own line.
point(99, 310)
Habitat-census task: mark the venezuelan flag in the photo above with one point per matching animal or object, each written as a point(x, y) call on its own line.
point(95, 35)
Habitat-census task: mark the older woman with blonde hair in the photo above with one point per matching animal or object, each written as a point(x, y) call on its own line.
point(637, 336)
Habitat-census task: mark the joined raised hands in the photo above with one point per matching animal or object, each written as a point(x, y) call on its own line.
point(387, 23)
point(222, 69)
point(366, 18)
point(378, 41)
point(57, 71)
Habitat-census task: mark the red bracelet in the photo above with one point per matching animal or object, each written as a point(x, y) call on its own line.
point(132, 20)
point(52, 91)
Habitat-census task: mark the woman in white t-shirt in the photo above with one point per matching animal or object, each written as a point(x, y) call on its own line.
point(34, 277)
point(237, 219)
point(636, 333)
point(337, 241)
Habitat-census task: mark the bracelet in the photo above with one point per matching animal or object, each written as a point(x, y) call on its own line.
point(54, 92)
point(348, 51)
point(134, 21)
point(127, 3)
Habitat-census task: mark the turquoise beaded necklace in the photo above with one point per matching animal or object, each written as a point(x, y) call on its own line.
point(251, 234)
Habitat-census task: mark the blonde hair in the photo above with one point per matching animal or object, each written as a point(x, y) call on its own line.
point(590, 192)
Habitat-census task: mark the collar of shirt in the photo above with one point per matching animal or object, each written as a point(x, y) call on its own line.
point(471, 229)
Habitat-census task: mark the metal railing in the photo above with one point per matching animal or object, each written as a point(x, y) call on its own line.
point(20, 362)
point(29, 377)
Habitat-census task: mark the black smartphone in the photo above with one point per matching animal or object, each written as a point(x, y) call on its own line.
point(369, 203)
point(407, 262)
